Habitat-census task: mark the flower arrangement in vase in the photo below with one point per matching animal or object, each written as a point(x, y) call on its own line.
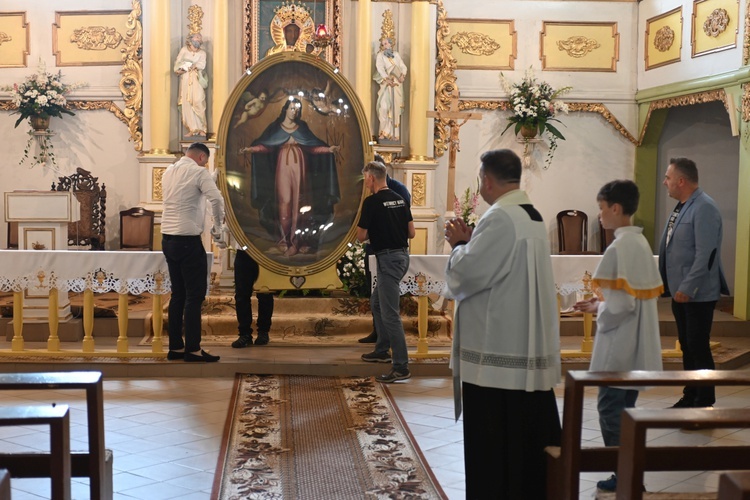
point(39, 97)
point(534, 105)
point(466, 207)
point(351, 270)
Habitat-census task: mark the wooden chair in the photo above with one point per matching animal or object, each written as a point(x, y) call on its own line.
point(137, 229)
point(572, 232)
point(566, 462)
point(734, 486)
point(606, 237)
point(89, 230)
point(12, 236)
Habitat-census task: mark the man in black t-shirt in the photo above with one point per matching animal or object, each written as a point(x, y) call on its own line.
point(387, 222)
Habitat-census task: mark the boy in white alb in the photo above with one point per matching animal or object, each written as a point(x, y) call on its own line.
point(627, 323)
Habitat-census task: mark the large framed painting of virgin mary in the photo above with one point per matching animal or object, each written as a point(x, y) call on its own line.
point(292, 142)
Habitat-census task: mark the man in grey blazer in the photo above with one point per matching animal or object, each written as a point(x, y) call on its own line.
point(690, 266)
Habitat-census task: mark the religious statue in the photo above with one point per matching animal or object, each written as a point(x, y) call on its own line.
point(190, 66)
point(391, 73)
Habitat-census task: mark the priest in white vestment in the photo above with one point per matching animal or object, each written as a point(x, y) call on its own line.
point(506, 345)
point(627, 322)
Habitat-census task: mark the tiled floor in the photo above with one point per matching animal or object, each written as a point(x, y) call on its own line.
point(165, 434)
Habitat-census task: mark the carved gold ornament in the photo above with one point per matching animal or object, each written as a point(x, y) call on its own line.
point(388, 30)
point(475, 44)
point(716, 23)
point(157, 193)
point(96, 38)
point(4, 37)
point(445, 80)
point(664, 38)
point(39, 246)
point(419, 189)
point(131, 81)
point(683, 100)
point(746, 102)
point(578, 46)
point(195, 16)
point(746, 38)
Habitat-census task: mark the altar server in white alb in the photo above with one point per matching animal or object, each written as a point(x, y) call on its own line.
point(627, 322)
point(506, 346)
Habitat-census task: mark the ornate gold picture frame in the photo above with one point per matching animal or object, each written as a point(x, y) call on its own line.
point(14, 40)
point(483, 44)
point(291, 150)
point(715, 26)
point(579, 46)
point(663, 39)
point(89, 38)
point(269, 30)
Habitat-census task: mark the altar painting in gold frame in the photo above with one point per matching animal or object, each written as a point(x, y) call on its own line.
point(89, 38)
point(14, 40)
point(293, 117)
point(269, 28)
point(483, 44)
point(715, 26)
point(579, 46)
point(663, 39)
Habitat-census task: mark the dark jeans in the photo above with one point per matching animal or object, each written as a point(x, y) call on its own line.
point(246, 272)
point(610, 404)
point(385, 304)
point(188, 272)
point(694, 321)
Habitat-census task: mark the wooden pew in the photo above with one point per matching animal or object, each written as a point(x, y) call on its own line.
point(96, 464)
point(734, 486)
point(58, 419)
point(634, 457)
point(565, 463)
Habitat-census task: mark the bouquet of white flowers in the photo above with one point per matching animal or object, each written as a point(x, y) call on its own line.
point(466, 207)
point(351, 270)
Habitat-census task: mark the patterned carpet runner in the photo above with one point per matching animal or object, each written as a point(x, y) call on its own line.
point(306, 437)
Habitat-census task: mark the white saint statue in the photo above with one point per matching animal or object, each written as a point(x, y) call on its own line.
point(391, 72)
point(190, 66)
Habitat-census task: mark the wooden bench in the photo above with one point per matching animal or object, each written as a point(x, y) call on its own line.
point(734, 486)
point(58, 419)
point(96, 464)
point(565, 463)
point(634, 457)
point(4, 484)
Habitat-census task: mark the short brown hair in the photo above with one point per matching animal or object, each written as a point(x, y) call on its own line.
point(686, 167)
point(376, 169)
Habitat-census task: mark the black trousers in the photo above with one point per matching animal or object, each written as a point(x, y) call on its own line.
point(246, 272)
point(188, 272)
point(694, 320)
point(505, 433)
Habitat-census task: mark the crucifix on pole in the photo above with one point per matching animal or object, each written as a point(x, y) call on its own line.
point(456, 119)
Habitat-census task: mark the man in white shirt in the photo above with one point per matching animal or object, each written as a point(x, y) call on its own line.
point(185, 184)
point(506, 346)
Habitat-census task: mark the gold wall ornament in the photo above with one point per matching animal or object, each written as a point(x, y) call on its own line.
point(96, 37)
point(746, 39)
point(419, 189)
point(15, 40)
point(445, 80)
point(157, 192)
point(664, 39)
point(387, 29)
point(746, 102)
point(131, 81)
point(716, 23)
point(476, 44)
point(4, 37)
point(195, 16)
point(578, 46)
point(684, 100)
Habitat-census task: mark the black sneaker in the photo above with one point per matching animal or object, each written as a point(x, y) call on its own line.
point(243, 341)
point(684, 402)
point(202, 357)
point(262, 338)
point(377, 357)
point(370, 339)
point(393, 376)
point(609, 484)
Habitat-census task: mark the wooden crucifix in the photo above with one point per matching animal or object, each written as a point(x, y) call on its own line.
point(456, 119)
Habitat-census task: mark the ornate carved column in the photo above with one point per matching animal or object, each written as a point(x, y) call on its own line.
point(420, 71)
point(160, 68)
point(363, 61)
point(220, 60)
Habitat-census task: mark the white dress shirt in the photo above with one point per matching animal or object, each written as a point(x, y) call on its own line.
point(185, 184)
